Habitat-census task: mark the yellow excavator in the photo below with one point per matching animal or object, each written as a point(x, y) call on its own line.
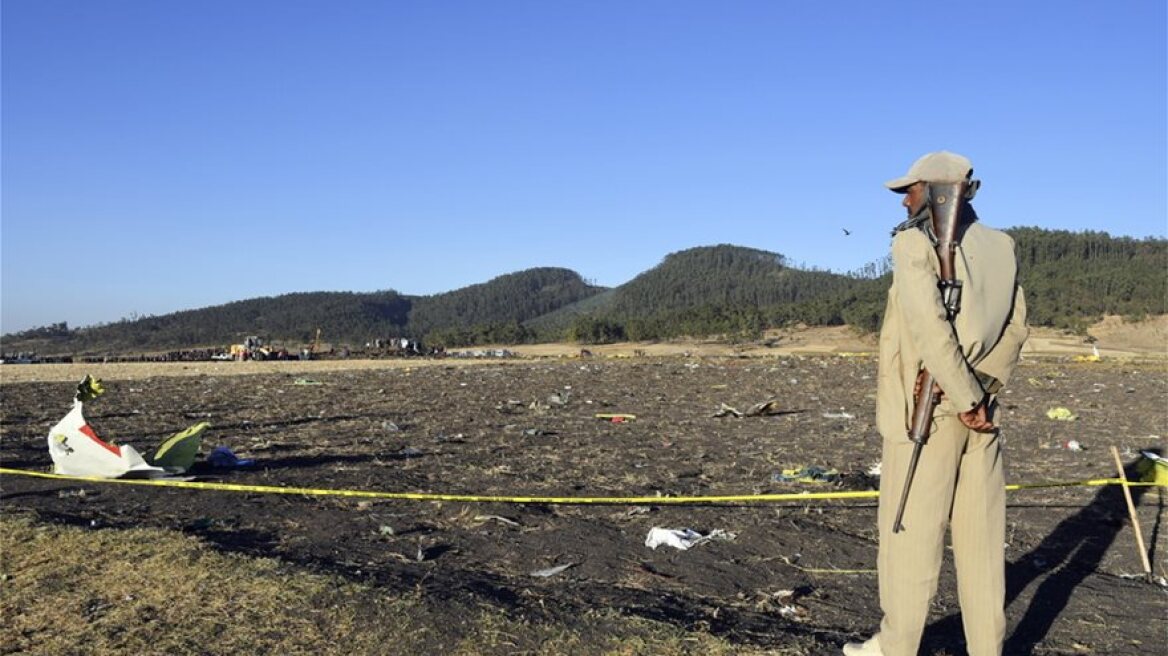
point(253, 348)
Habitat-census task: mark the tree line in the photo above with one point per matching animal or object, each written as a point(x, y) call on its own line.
point(1071, 280)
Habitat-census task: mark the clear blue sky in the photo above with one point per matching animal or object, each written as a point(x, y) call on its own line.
point(161, 156)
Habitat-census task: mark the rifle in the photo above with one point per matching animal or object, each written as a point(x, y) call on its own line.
point(945, 202)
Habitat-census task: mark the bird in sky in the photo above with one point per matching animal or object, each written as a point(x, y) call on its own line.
point(846, 231)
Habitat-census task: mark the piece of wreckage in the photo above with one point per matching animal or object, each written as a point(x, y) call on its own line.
point(78, 451)
point(762, 409)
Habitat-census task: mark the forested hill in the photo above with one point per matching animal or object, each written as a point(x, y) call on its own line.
point(706, 290)
point(342, 317)
point(722, 275)
point(1071, 279)
point(509, 299)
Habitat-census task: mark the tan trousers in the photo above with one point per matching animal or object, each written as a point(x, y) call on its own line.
point(958, 483)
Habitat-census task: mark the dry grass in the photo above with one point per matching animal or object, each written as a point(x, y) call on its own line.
point(70, 590)
point(74, 591)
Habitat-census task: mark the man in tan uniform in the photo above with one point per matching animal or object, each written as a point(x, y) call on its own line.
point(959, 481)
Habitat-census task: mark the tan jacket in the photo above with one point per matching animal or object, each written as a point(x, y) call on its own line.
point(986, 336)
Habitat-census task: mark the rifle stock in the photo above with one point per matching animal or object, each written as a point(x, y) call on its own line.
point(945, 201)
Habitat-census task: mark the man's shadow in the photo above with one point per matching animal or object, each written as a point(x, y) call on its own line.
point(1071, 553)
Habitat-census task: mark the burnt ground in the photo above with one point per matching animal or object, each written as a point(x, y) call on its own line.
point(796, 574)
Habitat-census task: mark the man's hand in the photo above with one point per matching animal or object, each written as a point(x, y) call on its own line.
point(938, 393)
point(976, 419)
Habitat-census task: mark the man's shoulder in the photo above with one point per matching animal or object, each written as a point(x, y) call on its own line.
point(915, 240)
point(994, 236)
point(911, 239)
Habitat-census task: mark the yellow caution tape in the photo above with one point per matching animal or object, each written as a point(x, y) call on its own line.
point(471, 498)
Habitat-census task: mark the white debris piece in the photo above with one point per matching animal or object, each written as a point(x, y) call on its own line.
point(683, 538)
point(77, 451)
point(497, 518)
point(551, 571)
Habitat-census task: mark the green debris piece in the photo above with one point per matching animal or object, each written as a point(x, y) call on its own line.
point(178, 452)
point(808, 474)
point(1153, 468)
point(89, 389)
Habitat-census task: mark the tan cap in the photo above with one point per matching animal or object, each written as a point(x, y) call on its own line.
point(941, 166)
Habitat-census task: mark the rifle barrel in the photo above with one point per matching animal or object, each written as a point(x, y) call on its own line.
point(897, 526)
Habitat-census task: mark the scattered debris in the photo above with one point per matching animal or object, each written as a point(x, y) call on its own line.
point(724, 410)
point(875, 469)
point(306, 381)
point(787, 606)
point(616, 418)
point(793, 561)
point(510, 407)
point(770, 407)
point(806, 474)
point(552, 571)
point(1073, 445)
point(838, 415)
point(1061, 414)
point(222, 458)
point(1153, 468)
point(496, 518)
point(757, 410)
point(683, 538)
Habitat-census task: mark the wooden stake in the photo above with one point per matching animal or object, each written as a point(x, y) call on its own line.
point(1131, 509)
